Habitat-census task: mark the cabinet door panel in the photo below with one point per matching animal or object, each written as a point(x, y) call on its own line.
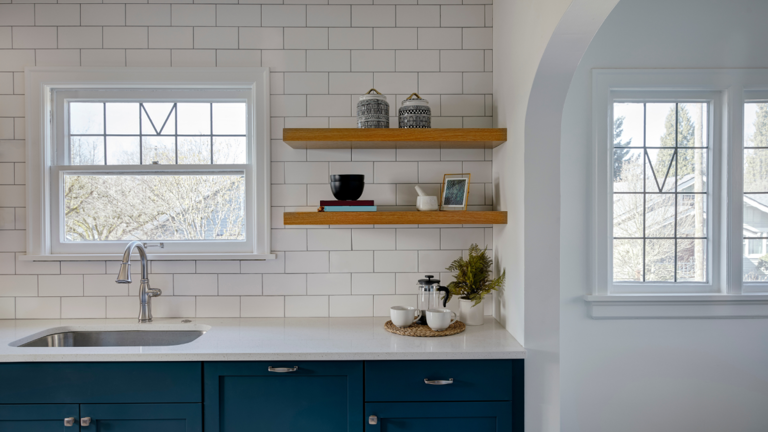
point(38, 418)
point(317, 397)
point(443, 417)
point(143, 417)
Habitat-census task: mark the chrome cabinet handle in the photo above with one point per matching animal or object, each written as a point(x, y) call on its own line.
point(282, 369)
point(438, 382)
point(85, 421)
point(373, 420)
point(69, 421)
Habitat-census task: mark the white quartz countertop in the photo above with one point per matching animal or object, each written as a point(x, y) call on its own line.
point(238, 339)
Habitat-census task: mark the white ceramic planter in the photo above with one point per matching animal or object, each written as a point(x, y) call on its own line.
point(470, 315)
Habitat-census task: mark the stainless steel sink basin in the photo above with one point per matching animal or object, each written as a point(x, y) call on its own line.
point(84, 337)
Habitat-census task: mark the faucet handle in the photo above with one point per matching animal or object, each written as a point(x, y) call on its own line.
point(155, 292)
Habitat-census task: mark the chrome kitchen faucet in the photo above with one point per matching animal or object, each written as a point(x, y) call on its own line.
point(145, 292)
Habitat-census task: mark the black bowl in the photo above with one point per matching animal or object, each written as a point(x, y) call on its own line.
point(347, 190)
point(360, 178)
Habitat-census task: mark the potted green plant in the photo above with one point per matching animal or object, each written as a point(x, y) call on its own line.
point(473, 281)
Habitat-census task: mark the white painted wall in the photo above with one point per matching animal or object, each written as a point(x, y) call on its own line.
point(654, 375)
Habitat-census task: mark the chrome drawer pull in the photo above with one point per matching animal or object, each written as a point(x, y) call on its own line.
point(69, 421)
point(85, 421)
point(373, 420)
point(438, 382)
point(282, 369)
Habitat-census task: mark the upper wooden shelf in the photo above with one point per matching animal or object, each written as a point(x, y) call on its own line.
point(395, 218)
point(306, 138)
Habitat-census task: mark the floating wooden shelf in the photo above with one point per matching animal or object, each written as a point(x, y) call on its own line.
point(306, 138)
point(395, 218)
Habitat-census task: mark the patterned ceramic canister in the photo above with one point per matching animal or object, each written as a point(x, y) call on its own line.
point(415, 113)
point(373, 110)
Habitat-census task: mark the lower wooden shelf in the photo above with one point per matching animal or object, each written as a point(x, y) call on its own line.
point(395, 218)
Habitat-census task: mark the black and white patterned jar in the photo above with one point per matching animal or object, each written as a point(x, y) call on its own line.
point(373, 111)
point(415, 113)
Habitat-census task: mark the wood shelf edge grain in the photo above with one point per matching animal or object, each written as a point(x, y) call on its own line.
point(395, 218)
point(315, 138)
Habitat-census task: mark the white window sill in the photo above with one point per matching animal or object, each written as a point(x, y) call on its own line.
point(677, 306)
point(152, 257)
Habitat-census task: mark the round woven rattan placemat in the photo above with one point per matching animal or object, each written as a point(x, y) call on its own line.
point(418, 330)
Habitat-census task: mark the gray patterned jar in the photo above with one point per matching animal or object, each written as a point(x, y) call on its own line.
point(415, 113)
point(373, 111)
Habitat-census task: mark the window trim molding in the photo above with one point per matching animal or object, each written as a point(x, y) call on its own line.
point(40, 84)
point(733, 298)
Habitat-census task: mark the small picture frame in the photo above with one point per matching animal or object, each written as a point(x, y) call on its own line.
point(454, 192)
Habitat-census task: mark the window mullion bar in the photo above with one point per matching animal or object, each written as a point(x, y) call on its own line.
point(645, 151)
point(677, 178)
point(141, 139)
point(104, 130)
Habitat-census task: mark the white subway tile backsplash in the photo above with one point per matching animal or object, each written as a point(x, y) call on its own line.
point(7, 218)
point(288, 105)
point(305, 38)
point(17, 14)
point(285, 284)
point(262, 307)
point(418, 61)
point(407, 283)
point(121, 307)
point(57, 14)
point(436, 261)
point(307, 122)
point(240, 284)
point(289, 195)
point(261, 38)
point(124, 37)
point(238, 58)
point(83, 307)
point(394, 38)
point(462, 105)
point(462, 16)
point(217, 266)
point(418, 239)
point(165, 267)
point(17, 60)
point(329, 16)
point(351, 262)
point(329, 284)
point(215, 37)
point(482, 172)
point(462, 238)
point(328, 105)
point(306, 262)
point(283, 16)
point(374, 154)
point(283, 152)
point(395, 261)
point(171, 307)
point(317, 193)
point(433, 172)
point(18, 286)
point(7, 265)
point(195, 284)
point(479, 82)
point(478, 122)
point(34, 37)
point(238, 15)
point(105, 285)
point(418, 16)
point(224, 307)
point(329, 155)
point(171, 37)
point(478, 38)
point(351, 306)
point(147, 15)
point(6, 37)
point(382, 303)
point(462, 154)
point(7, 308)
point(349, 83)
point(382, 194)
point(329, 239)
point(60, 285)
point(328, 60)
point(38, 308)
point(395, 172)
point(102, 57)
point(306, 172)
point(462, 60)
point(373, 16)
point(373, 239)
point(37, 267)
point(266, 266)
point(350, 38)
point(102, 14)
point(289, 240)
point(193, 15)
point(443, 83)
point(306, 306)
point(391, 83)
point(283, 61)
point(373, 283)
point(12, 241)
point(373, 61)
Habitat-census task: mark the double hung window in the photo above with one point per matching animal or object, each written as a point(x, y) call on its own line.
point(144, 155)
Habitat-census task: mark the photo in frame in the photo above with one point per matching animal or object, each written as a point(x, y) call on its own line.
point(454, 193)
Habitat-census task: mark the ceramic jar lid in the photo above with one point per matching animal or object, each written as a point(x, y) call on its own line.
point(415, 100)
point(376, 95)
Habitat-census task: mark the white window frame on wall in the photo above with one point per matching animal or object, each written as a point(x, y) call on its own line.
point(47, 90)
point(724, 294)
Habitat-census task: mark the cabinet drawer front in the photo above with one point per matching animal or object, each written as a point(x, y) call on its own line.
point(134, 382)
point(37, 418)
point(291, 397)
point(472, 380)
point(142, 417)
point(443, 417)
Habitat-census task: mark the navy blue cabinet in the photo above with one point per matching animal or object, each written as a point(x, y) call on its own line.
point(142, 417)
point(283, 396)
point(38, 418)
point(442, 417)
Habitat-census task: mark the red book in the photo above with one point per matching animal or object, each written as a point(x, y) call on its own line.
point(346, 203)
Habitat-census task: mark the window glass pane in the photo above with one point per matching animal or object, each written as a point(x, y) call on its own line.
point(691, 260)
point(194, 118)
point(756, 170)
point(628, 260)
point(86, 118)
point(86, 150)
point(755, 210)
point(660, 191)
point(229, 150)
point(158, 119)
point(194, 150)
point(122, 150)
point(659, 260)
point(154, 207)
point(122, 118)
point(229, 118)
point(158, 149)
point(755, 124)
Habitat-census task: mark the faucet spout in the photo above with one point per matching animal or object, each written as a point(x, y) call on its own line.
point(145, 291)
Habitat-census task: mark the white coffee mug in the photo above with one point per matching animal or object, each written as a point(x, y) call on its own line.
point(440, 319)
point(404, 316)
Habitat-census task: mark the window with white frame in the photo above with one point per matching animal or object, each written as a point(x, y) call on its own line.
point(660, 191)
point(755, 210)
point(178, 160)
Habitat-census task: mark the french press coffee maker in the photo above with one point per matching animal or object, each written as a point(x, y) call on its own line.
point(429, 296)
